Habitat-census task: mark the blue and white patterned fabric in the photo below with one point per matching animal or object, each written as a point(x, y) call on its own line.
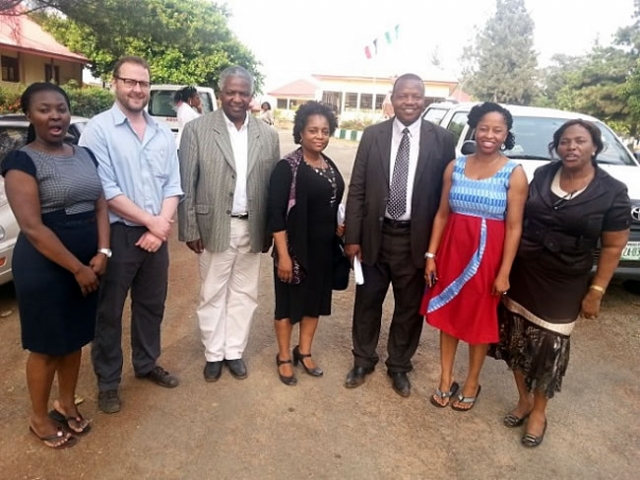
point(486, 198)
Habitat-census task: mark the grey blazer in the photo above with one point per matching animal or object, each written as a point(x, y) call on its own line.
point(369, 188)
point(208, 173)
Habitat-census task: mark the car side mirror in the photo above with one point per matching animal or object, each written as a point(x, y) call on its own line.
point(468, 147)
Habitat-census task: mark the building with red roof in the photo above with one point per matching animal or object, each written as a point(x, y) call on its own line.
point(29, 54)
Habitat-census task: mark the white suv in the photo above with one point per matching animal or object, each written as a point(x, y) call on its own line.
point(533, 129)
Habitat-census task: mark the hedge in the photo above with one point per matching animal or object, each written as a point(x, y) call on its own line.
point(85, 101)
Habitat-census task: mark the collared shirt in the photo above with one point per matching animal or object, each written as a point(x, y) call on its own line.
point(240, 145)
point(414, 150)
point(145, 171)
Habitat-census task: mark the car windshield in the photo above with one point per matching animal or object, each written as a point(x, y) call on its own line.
point(533, 135)
point(11, 138)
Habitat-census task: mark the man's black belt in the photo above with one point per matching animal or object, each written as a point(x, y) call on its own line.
point(241, 216)
point(397, 223)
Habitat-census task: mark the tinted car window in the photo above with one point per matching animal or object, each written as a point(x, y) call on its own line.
point(457, 124)
point(533, 135)
point(435, 115)
point(161, 103)
point(11, 138)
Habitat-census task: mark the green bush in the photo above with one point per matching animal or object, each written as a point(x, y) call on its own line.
point(85, 101)
point(358, 124)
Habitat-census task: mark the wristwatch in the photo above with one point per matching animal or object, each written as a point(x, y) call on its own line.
point(106, 251)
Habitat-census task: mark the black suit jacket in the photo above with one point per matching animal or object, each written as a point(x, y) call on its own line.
point(369, 188)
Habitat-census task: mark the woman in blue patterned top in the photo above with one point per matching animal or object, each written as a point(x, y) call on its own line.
point(56, 196)
point(473, 243)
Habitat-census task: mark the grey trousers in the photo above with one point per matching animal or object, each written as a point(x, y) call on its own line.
point(145, 274)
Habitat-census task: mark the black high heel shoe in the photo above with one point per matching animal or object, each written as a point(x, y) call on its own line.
point(299, 357)
point(290, 381)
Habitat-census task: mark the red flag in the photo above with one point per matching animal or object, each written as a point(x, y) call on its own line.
point(367, 52)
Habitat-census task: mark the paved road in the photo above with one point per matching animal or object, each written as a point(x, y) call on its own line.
point(260, 429)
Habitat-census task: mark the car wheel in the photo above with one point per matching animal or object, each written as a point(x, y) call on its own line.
point(632, 286)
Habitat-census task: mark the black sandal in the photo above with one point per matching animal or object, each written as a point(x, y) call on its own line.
point(512, 421)
point(83, 425)
point(444, 395)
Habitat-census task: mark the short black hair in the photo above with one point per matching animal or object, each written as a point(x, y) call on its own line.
point(30, 91)
point(312, 108)
point(404, 78)
point(267, 104)
point(184, 94)
point(594, 131)
point(479, 111)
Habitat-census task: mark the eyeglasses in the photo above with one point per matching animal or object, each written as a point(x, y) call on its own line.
point(563, 201)
point(131, 83)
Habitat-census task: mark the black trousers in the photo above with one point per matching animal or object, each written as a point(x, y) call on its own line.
point(145, 274)
point(395, 266)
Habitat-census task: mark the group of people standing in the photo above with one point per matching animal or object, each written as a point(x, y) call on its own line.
point(464, 242)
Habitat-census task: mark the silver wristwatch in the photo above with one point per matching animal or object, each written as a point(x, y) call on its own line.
point(106, 251)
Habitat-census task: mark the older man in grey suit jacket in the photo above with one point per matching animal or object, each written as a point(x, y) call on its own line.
point(226, 159)
point(394, 194)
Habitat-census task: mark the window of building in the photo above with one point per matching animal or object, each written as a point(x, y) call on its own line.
point(379, 101)
point(351, 101)
point(10, 71)
point(366, 102)
point(52, 74)
point(281, 104)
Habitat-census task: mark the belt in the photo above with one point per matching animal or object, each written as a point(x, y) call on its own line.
point(397, 223)
point(241, 216)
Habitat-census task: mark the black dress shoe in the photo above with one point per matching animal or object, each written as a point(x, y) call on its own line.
point(161, 377)
point(401, 383)
point(212, 371)
point(299, 358)
point(237, 368)
point(355, 377)
point(290, 381)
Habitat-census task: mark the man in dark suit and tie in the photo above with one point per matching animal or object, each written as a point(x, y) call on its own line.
point(394, 194)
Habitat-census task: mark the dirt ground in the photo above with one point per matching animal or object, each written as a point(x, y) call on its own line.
point(259, 428)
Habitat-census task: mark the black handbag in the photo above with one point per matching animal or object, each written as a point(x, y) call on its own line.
point(341, 266)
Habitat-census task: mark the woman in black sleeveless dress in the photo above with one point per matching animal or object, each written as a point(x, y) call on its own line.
point(56, 196)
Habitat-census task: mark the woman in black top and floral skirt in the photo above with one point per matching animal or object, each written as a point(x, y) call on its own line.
point(56, 195)
point(572, 205)
point(305, 191)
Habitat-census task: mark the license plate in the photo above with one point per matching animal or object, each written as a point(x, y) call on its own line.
point(631, 251)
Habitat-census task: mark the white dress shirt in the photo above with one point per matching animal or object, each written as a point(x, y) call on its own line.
point(240, 145)
point(184, 114)
point(414, 150)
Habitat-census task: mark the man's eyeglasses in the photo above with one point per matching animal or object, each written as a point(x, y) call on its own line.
point(131, 83)
point(563, 201)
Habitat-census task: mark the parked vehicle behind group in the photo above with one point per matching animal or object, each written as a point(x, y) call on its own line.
point(533, 129)
point(162, 106)
point(13, 135)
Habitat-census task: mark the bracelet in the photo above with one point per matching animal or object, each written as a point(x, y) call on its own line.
point(598, 288)
point(429, 255)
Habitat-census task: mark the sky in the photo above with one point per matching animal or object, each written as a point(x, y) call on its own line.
point(296, 38)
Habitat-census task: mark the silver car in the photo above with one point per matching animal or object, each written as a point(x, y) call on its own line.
point(13, 135)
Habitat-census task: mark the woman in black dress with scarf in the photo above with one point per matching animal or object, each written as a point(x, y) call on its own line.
point(56, 195)
point(305, 191)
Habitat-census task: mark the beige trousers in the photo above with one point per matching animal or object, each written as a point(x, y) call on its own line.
point(228, 295)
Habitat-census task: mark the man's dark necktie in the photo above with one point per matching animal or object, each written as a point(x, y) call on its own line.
point(397, 204)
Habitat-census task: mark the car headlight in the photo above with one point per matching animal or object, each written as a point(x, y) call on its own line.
point(3, 234)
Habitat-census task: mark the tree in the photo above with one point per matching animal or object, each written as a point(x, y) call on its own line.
point(185, 42)
point(502, 63)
